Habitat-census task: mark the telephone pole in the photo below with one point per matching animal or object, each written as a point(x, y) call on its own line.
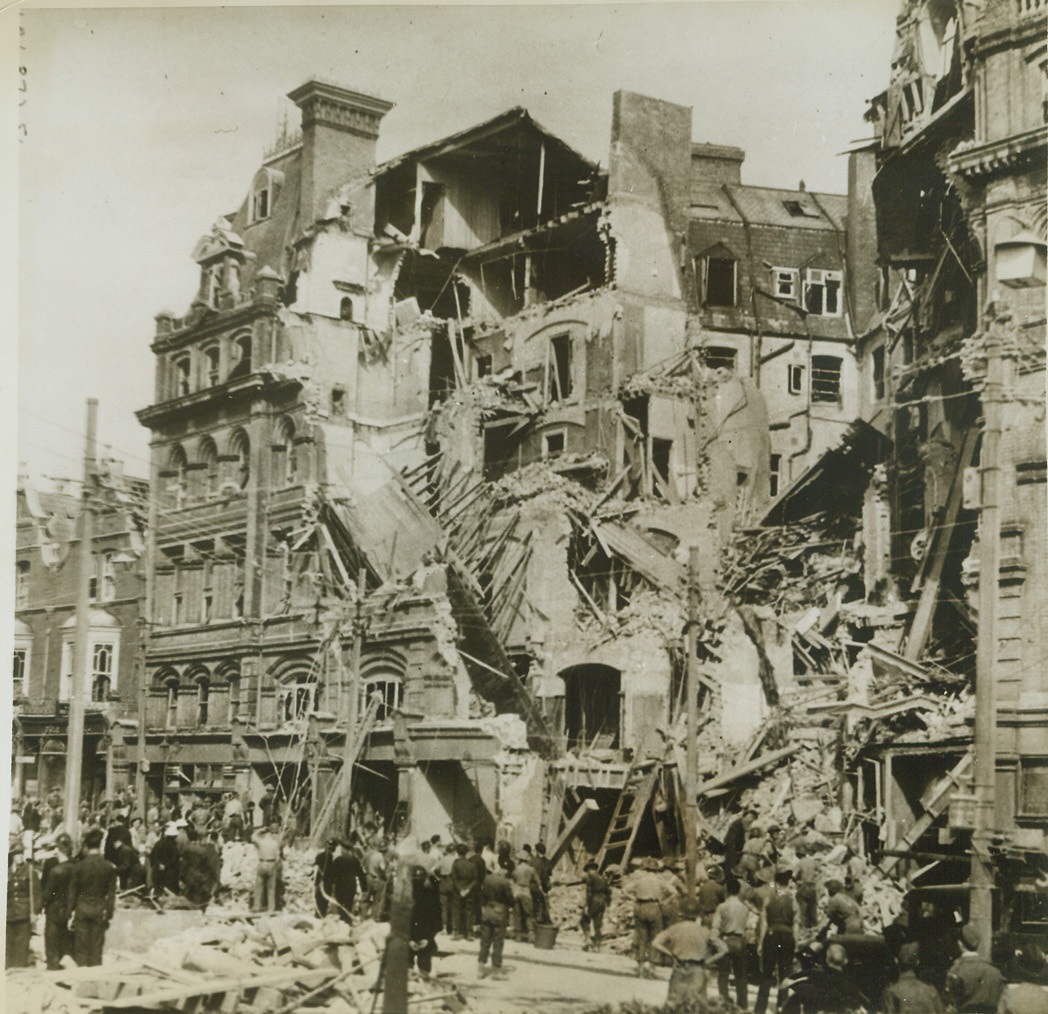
point(985, 766)
point(78, 691)
point(351, 691)
point(691, 688)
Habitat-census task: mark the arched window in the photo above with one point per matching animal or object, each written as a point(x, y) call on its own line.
point(240, 448)
point(171, 686)
point(297, 689)
point(101, 671)
point(213, 356)
point(230, 672)
point(390, 687)
point(346, 308)
point(209, 458)
point(176, 487)
point(203, 688)
point(242, 356)
point(183, 375)
point(22, 584)
point(285, 454)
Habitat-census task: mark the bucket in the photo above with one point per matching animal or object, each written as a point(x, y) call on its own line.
point(546, 937)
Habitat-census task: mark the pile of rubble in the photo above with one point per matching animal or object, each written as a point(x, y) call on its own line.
point(273, 963)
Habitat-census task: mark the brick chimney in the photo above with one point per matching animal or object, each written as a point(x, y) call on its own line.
point(339, 131)
point(716, 163)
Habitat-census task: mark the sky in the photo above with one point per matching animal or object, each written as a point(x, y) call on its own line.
point(140, 126)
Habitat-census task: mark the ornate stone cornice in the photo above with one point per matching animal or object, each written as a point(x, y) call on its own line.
point(976, 160)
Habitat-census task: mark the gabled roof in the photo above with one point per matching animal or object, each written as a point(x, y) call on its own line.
point(797, 209)
point(516, 118)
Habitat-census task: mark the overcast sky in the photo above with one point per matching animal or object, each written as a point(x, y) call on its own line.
point(144, 124)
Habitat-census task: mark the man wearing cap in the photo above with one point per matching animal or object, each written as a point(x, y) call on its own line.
point(23, 903)
point(973, 985)
point(776, 943)
point(648, 892)
point(908, 994)
point(58, 872)
point(165, 862)
point(710, 894)
point(806, 876)
point(842, 910)
point(598, 896)
point(692, 950)
point(729, 926)
point(465, 886)
point(92, 900)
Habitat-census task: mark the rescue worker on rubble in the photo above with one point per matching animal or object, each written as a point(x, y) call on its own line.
point(57, 876)
point(267, 874)
point(691, 949)
point(347, 875)
point(842, 910)
point(806, 876)
point(92, 900)
point(23, 903)
point(323, 877)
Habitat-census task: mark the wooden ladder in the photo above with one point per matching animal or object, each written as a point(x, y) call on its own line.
point(629, 808)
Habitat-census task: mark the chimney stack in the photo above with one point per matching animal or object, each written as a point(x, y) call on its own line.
point(339, 131)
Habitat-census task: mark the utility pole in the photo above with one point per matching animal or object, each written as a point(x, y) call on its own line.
point(79, 689)
point(985, 767)
point(351, 689)
point(691, 686)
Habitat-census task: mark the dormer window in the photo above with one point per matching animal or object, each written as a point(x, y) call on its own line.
point(822, 292)
point(260, 204)
point(213, 284)
point(784, 281)
point(717, 274)
point(264, 194)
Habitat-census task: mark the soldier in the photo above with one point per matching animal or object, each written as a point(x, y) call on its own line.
point(92, 900)
point(776, 943)
point(23, 903)
point(267, 844)
point(496, 900)
point(648, 893)
point(908, 994)
point(58, 872)
point(691, 949)
point(598, 897)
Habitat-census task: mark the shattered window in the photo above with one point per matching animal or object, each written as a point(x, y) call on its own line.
point(559, 368)
point(825, 378)
point(390, 690)
point(554, 443)
point(719, 282)
point(720, 357)
point(822, 292)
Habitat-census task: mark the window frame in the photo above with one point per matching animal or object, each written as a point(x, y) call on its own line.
point(22, 649)
point(790, 275)
point(819, 387)
point(559, 388)
point(22, 597)
point(706, 260)
point(818, 278)
point(109, 638)
point(878, 386)
point(382, 681)
point(795, 378)
point(774, 474)
point(559, 431)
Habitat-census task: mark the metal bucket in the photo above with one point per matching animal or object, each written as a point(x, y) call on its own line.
point(546, 937)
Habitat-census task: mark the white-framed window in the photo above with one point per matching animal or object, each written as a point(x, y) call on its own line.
point(554, 442)
point(20, 676)
point(776, 474)
point(795, 378)
point(826, 378)
point(720, 281)
point(822, 292)
point(784, 283)
point(103, 653)
point(22, 584)
point(105, 581)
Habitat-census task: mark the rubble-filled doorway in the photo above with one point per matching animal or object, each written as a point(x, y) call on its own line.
point(592, 707)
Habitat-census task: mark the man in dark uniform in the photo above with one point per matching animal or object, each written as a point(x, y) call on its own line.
point(425, 919)
point(598, 897)
point(92, 900)
point(23, 902)
point(909, 995)
point(58, 872)
point(464, 879)
point(347, 875)
point(776, 943)
point(165, 861)
point(197, 869)
point(496, 901)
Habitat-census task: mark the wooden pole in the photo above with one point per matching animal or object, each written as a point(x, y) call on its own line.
point(395, 979)
point(985, 767)
point(353, 684)
point(79, 690)
point(691, 775)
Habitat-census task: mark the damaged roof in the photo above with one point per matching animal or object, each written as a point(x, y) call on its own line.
point(517, 119)
point(796, 209)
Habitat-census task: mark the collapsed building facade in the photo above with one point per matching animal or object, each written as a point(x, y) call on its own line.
point(443, 430)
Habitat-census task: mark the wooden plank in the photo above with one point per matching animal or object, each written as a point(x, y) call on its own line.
point(586, 809)
point(721, 781)
point(920, 627)
point(224, 984)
